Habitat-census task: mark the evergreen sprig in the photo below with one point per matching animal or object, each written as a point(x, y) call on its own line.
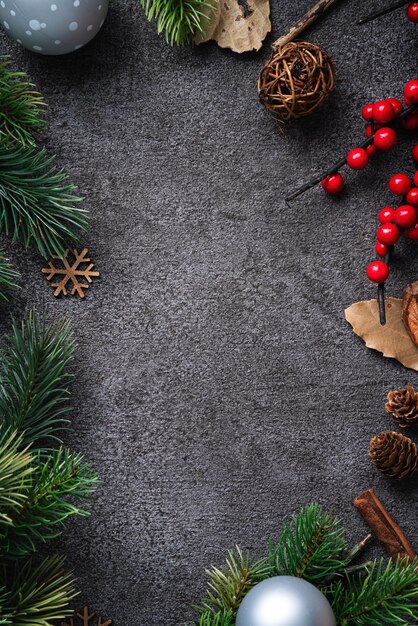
point(388, 596)
point(228, 585)
point(34, 379)
point(16, 468)
point(21, 106)
point(37, 204)
point(311, 546)
point(60, 488)
point(35, 595)
point(179, 20)
point(8, 278)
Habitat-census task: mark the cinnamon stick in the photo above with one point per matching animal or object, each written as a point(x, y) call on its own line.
point(383, 526)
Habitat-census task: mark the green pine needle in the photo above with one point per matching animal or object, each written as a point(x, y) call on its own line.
point(228, 586)
point(61, 487)
point(36, 595)
point(21, 106)
point(387, 596)
point(15, 475)
point(221, 618)
point(34, 379)
point(311, 546)
point(8, 278)
point(37, 204)
point(179, 20)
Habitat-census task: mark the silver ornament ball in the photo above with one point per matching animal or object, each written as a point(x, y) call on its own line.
point(285, 601)
point(52, 26)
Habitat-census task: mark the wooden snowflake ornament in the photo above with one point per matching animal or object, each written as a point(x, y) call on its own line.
point(85, 619)
point(71, 272)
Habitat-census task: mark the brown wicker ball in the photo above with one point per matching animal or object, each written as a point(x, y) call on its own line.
point(296, 80)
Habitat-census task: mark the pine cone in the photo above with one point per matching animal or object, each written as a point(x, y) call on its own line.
point(394, 454)
point(403, 405)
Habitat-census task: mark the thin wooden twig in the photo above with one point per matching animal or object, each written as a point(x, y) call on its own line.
point(389, 9)
point(311, 16)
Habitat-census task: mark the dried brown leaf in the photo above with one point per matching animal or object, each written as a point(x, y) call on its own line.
point(241, 25)
point(392, 339)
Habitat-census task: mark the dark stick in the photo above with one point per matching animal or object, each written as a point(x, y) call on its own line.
point(381, 300)
point(381, 292)
point(389, 9)
point(332, 170)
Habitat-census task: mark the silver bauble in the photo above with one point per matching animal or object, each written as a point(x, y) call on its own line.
point(285, 601)
point(52, 26)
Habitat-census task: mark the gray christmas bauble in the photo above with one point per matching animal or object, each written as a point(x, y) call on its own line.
point(285, 601)
point(53, 26)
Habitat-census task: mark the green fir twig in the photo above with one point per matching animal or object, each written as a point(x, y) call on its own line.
point(21, 106)
point(311, 546)
point(387, 596)
point(34, 379)
point(36, 595)
point(37, 203)
point(8, 278)
point(61, 488)
point(228, 585)
point(179, 20)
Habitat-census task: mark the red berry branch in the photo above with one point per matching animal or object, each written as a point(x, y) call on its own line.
point(411, 11)
point(381, 136)
point(394, 222)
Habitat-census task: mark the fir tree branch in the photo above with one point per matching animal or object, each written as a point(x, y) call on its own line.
point(37, 204)
point(179, 20)
point(34, 378)
point(36, 596)
point(311, 546)
point(228, 586)
point(387, 596)
point(8, 278)
point(21, 106)
point(61, 487)
point(15, 475)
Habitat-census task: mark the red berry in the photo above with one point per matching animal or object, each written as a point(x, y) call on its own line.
point(397, 105)
point(386, 215)
point(399, 184)
point(383, 112)
point(385, 139)
point(371, 150)
point(411, 121)
point(412, 196)
point(377, 271)
point(333, 184)
point(406, 216)
point(381, 249)
point(388, 234)
point(415, 153)
point(412, 12)
point(357, 159)
point(416, 178)
point(412, 233)
point(367, 112)
point(410, 93)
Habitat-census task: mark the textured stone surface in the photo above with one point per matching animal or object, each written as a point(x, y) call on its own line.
point(218, 387)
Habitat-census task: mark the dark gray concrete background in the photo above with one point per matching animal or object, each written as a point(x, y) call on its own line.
point(218, 387)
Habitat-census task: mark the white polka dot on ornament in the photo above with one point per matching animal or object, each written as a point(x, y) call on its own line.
point(52, 28)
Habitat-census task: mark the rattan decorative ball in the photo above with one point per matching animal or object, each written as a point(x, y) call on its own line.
point(296, 80)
